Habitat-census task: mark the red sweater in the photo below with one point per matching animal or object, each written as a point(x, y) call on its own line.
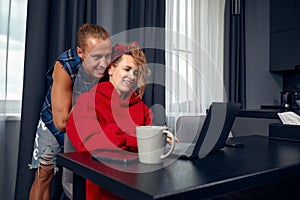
point(101, 119)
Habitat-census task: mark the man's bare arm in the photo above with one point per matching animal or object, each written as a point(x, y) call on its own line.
point(61, 96)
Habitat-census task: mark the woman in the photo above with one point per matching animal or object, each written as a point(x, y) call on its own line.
point(106, 117)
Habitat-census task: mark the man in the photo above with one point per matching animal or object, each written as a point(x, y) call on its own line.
point(86, 64)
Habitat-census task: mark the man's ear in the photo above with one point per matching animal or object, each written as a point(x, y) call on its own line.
point(80, 53)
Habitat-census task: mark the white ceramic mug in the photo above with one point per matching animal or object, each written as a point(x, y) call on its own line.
point(151, 143)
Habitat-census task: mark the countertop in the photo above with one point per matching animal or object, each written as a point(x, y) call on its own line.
point(263, 113)
point(259, 113)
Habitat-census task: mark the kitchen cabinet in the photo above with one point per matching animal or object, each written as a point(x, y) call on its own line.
point(281, 50)
point(282, 15)
point(297, 48)
point(284, 35)
point(297, 11)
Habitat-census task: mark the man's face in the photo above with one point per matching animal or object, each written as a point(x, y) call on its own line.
point(96, 58)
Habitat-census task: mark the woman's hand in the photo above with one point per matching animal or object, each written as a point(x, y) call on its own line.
point(169, 139)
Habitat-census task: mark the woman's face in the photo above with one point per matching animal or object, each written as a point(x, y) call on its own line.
point(124, 75)
point(96, 58)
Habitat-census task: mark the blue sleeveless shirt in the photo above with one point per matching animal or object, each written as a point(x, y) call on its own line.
point(72, 64)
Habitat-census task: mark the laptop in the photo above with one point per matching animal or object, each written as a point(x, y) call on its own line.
point(212, 132)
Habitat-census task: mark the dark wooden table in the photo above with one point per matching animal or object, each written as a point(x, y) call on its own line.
point(260, 161)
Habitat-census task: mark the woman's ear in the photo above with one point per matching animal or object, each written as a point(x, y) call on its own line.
point(110, 70)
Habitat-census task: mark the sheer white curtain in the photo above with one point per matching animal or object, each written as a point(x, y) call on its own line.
point(194, 56)
point(12, 45)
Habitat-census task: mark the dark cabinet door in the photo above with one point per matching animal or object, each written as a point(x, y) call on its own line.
point(282, 51)
point(297, 15)
point(285, 35)
point(282, 14)
point(297, 48)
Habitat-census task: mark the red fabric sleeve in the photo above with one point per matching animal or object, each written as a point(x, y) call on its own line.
point(85, 132)
point(73, 134)
point(131, 140)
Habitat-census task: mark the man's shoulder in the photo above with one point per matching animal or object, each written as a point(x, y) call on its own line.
point(70, 60)
point(69, 55)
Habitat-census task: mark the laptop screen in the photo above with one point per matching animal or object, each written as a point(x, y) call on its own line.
point(208, 133)
point(216, 127)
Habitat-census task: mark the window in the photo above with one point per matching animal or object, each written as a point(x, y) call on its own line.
point(12, 46)
point(194, 56)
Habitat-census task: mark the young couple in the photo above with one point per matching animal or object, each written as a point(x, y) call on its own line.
point(105, 116)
